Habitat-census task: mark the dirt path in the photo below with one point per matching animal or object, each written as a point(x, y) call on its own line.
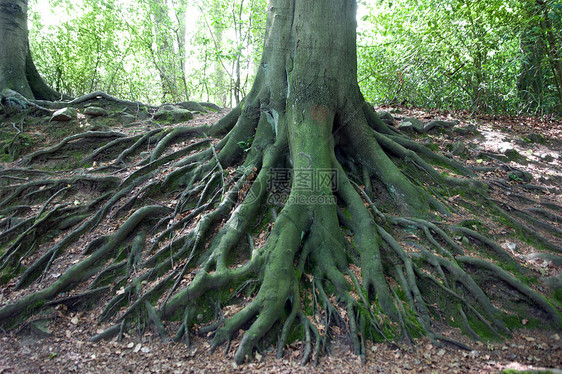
point(68, 350)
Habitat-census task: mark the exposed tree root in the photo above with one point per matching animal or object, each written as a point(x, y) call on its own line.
point(302, 272)
point(21, 100)
point(84, 136)
point(83, 269)
point(309, 213)
point(87, 97)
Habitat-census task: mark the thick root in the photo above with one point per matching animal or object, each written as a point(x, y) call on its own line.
point(249, 223)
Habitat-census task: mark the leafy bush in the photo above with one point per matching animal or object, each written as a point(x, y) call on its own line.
point(463, 54)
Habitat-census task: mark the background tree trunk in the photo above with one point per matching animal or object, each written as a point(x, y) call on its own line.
point(169, 38)
point(17, 70)
point(530, 82)
point(13, 49)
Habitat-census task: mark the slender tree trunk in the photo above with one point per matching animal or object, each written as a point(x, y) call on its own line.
point(180, 13)
point(553, 50)
point(530, 82)
point(164, 49)
point(237, 18)
point(170, 35)
point(218, 75)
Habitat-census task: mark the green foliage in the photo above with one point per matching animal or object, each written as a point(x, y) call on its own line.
point(14, 142)
point(498, 56)
point(109, 46)
point(460, 54)
point(88, 50)
point(246, 145)
point(225, 48)
point(515, 177)
point(139, 50)
point(164, 39)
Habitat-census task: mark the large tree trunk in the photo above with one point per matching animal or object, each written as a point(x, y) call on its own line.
point(306, 89)
point(17, 70)
point(307, 117)
point(306, 160)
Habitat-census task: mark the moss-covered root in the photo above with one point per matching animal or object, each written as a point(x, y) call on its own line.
point(82, 270)
point(42, 264)
point(361, 140)
point(323, 248)
point(186, 247)
point(366, 242)
point(200, 157)
point(498, 250)
point(38, 190)
point(516, 284)
point(279, 278)
point(97, 95)
point(89, 135)
point(109, 333)
point(175, 135)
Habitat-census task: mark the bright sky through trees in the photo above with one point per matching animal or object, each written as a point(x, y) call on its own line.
point(430, 54)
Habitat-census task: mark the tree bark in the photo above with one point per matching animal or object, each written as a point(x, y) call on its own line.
point(305, 118)
point(17, 70)
point(305, 103)
point(307, 83)
point(13, 49)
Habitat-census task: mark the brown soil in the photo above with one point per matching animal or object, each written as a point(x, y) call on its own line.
point(68, 350)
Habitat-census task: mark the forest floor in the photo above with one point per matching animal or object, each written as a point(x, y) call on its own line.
point(524, 150)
